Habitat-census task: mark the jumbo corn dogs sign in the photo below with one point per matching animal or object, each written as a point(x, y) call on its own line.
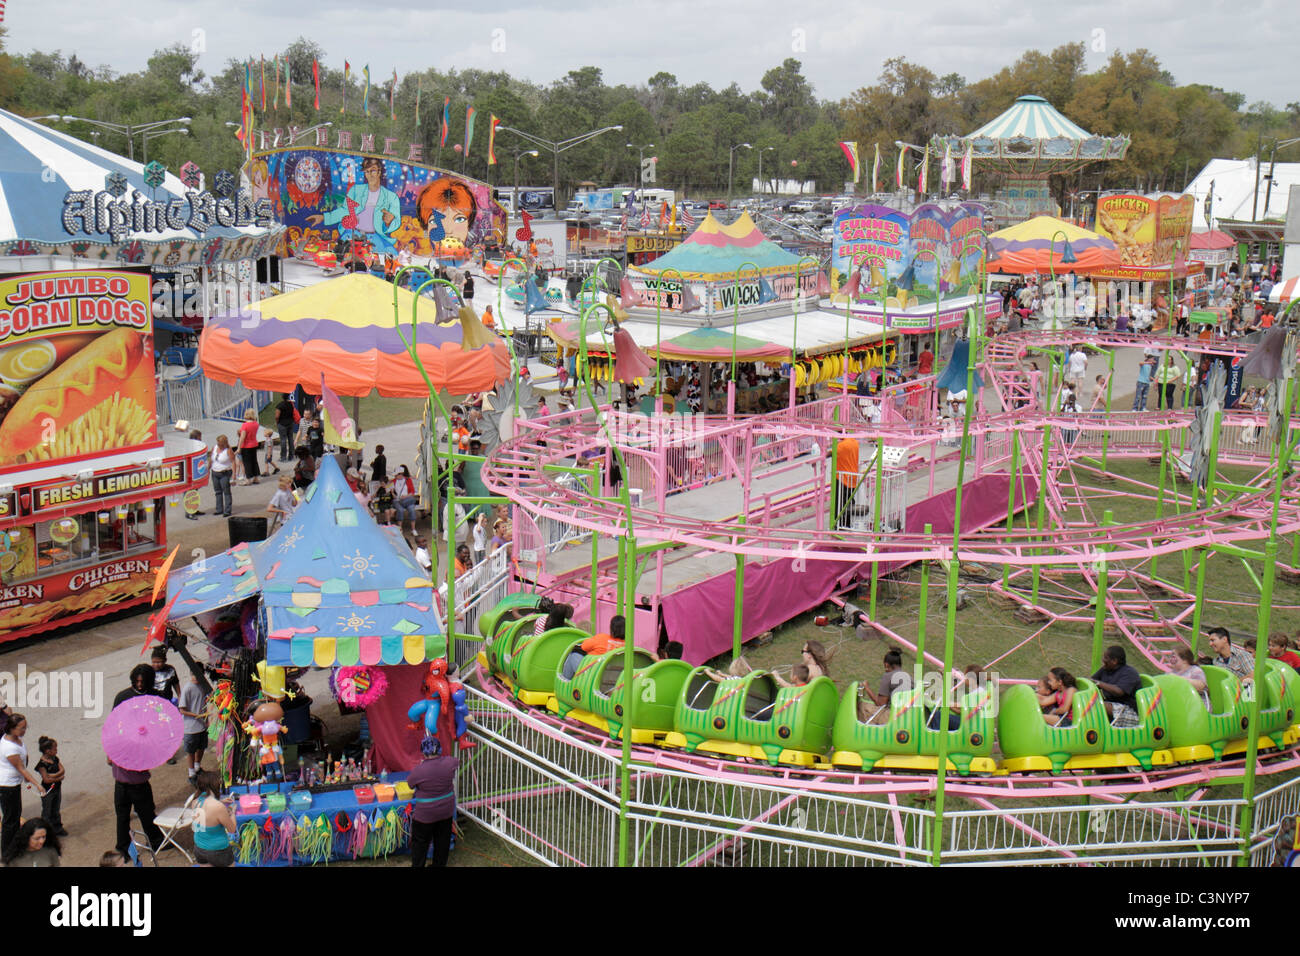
point(76, 365)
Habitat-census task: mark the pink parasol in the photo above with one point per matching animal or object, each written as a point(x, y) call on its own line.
point(141, 733)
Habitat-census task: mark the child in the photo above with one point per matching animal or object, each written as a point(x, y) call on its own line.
point(268, 443)
point(52, 773)
point(193, 707)
point(480, 537)
point(282, 503)
point(382, 500)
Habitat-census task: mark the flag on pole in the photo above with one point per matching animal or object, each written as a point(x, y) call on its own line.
point(898, 172)
point(446, 122)
point(923, 182)
point(663, 215)
point(851, 154)
point(875, 170)
point(365, 91)
point(646, 218)
point(966, 163)
point(492, 140)
point(419, 82)
point(315, 81)
point(277, 81)
point(262, 84)
point(339, 428)
point(469, 128)
point(392, 98)
point(288, 85)
point(687, 219)
point(949, 171)
point(347, 73)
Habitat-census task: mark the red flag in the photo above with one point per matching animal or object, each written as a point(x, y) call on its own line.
point(315, 79)
point(492, 140)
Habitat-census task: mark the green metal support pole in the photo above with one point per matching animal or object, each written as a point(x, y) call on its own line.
point(1160, 495)
point(1105, 435)
point(1204, 553)
point(924, 607)
point(1011, 497)
point(1103, 582)
point(1036, 573)
point(1252, 740)
point(738, 604)
point(625, 585)
point(950, 630)
point(595, 549)
point(875, 521)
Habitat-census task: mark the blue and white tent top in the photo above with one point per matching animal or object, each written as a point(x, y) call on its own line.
point(335, 588)
point(39, 166)
point(1032, 129)
point(1034, 117)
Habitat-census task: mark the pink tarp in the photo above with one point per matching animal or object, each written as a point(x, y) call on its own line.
point(700, 617)
point(396, 747)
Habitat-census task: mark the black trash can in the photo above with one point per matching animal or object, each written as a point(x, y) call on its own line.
point(246, 528)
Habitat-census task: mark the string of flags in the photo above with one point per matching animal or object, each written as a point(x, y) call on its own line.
point(255, 96)
point(949, 167)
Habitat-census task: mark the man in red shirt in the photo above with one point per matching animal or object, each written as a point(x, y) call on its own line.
point(925, 362)
point(434, 803)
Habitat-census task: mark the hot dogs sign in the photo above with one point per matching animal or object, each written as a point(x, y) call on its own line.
point(76, 365)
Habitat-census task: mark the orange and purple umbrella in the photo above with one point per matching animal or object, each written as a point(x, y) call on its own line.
point(343, 329)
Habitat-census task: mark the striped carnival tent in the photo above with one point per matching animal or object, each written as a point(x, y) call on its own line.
point(1285, 292)
point(53, 186)
point(1031, 137)
point(714, 251)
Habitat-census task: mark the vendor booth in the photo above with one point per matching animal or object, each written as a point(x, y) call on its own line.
point(88, 476)
point(330, 589)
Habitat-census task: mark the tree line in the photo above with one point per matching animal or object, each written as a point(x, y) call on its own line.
point(1175, 128)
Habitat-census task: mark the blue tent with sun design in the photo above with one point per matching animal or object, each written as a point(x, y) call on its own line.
point(335, 587)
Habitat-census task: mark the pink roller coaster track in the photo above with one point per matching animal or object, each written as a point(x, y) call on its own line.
point(1151, 616)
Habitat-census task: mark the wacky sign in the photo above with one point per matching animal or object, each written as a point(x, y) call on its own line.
point(907, 260)
point(375, 205)
point(76, 365)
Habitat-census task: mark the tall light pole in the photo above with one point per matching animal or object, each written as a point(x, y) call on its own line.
point(514, 200)
point(762, 188)
point(556, 148)
point(731, 164)
point(127, 129)
point(640, 161)
point(159, 132)
point(1272, 164)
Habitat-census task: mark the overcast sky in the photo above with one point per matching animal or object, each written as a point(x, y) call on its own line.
point(1238, 45)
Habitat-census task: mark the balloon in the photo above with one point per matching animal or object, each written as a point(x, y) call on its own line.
point(457, 148)
point(794, 162)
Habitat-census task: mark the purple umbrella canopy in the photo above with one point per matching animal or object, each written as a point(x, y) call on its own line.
point(141, 733)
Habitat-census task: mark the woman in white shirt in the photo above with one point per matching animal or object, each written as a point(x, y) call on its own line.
point(13, 774)
point(223, 464)
point(480, 537)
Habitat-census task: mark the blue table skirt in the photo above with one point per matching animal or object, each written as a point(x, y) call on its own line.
point(331, 804)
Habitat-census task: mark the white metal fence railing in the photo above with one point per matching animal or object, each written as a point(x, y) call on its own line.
point(196, 397)
point(554, 793)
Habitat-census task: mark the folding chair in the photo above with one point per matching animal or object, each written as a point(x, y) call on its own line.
point(172, 821)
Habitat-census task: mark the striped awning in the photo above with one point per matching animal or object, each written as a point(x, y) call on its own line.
point(1285, 292)
point(1032, 117)
point(39, 166)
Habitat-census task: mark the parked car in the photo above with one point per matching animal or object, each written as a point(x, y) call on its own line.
point(717, 204)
